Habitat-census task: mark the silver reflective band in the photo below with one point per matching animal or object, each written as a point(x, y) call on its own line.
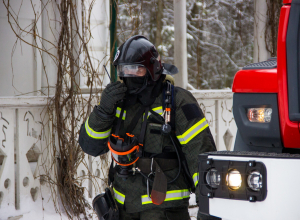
point(171, 195)
point(158, 110)
point(118, 112)
point(196, 178)
point(119, 196)
point(192, 132)
point(95, 134)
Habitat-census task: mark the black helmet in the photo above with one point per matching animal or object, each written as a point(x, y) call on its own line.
point(139, 51)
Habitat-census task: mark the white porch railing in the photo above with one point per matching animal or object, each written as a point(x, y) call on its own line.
point(217, 108)
point(24, 156)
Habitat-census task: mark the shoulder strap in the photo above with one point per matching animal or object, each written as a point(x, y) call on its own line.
point(171, 87)
point(120, 119)
point(173, 112)
point(135, 119)
point(144, 127)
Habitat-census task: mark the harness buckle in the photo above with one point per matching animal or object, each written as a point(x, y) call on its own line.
point(151, 168)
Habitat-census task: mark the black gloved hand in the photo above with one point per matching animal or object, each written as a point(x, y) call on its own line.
point(113, 93)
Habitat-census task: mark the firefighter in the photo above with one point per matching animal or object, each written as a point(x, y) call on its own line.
point(154, 131)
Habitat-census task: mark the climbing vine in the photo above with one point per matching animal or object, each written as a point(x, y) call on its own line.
point(68, 106)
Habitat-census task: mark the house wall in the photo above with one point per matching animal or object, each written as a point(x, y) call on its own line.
point(26, 157)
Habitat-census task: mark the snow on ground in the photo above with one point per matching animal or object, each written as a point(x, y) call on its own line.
point(44, 210)
point(193, 211)
point(30, 210)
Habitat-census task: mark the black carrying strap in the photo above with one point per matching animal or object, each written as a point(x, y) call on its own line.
point(135, 119)
point(166, 164)
point(144, 127)
point(144, 124)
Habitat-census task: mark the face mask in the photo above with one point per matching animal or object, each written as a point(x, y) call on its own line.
point(135, 84)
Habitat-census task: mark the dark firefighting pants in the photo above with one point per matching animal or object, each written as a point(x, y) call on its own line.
point(177, 213)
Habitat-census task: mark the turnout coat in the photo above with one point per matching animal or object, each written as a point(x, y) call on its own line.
point(191, 130)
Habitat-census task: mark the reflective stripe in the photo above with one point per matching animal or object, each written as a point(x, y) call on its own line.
point(196, 178)
point(192, 132)
point(119, 196)
point(118, 112)
point(95, 134)
point(171, 195)
point(158, 110)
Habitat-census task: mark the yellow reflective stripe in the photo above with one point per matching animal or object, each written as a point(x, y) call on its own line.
point(178, 191)
point(95, 134)
point(119, 196)
point(119, 201)
point(158, 110)
point(196, 178)
point(171, 195)
point(118, 112)
point(193, 131)
point(177, 198)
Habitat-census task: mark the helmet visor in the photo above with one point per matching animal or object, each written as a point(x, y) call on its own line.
point(131, 71)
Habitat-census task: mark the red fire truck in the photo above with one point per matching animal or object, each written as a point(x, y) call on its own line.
point(260, 179)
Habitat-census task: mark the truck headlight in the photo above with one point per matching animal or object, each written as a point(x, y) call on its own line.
point(234, 179)
point(254, 180)
point(231, 179)
point(262, 115)
point(213, 178)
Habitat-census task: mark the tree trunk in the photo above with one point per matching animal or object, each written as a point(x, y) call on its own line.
point(159, 24)
point(260, 18)
point(180, 45)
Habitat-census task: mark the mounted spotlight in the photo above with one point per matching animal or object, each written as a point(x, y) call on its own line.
point(234, 179)
point(213, 178)
point(221, 175)
point(251, 182)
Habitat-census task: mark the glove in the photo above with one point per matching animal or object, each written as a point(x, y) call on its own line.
point(113, 93)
